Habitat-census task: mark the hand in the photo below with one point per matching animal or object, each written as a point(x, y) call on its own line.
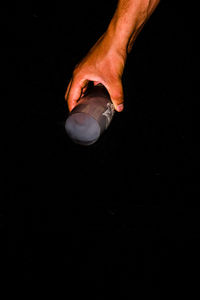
point(104, 64)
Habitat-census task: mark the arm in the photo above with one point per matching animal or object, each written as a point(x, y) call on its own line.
point(106, 60)
point(129, 19)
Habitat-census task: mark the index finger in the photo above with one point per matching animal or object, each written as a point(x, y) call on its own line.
point(68, 89)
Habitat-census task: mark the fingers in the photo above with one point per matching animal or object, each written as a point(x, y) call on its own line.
point(74, 92)
point(83, 91)
point(116, 93)
point(73, 95)
point(68, 88)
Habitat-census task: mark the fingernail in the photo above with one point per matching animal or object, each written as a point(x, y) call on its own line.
point(120, 107)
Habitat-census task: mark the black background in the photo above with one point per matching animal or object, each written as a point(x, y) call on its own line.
point(121, 217)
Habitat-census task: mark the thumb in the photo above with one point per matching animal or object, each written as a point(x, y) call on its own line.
point(116, 93)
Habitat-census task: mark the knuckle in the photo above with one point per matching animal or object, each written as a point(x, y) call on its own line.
point(75, 71)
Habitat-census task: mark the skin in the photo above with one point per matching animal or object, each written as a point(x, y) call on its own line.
point(105, 61)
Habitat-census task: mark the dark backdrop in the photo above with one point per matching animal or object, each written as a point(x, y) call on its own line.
point(120, 217)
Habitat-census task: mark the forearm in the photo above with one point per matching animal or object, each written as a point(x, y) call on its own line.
point(128, 20)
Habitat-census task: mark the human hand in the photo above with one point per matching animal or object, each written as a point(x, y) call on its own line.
point(103, 64)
